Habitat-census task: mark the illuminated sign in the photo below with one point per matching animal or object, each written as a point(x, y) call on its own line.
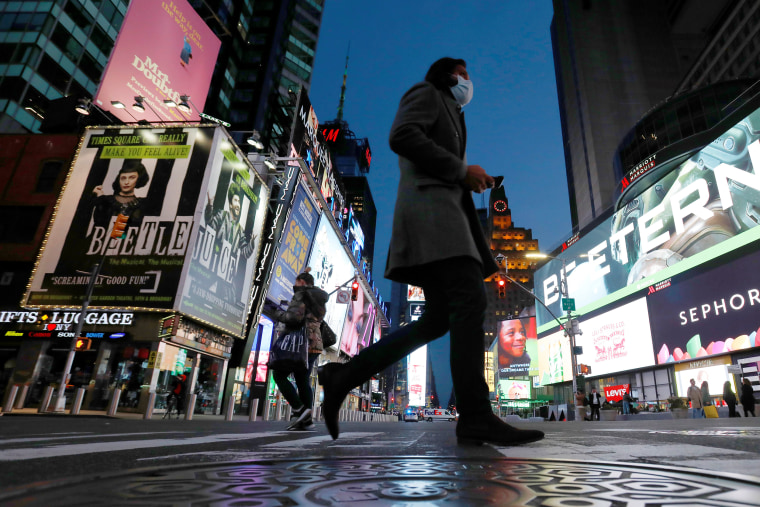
point(516, 347)
point(616, 393)
point(640, 170)
point(417, 376)
point(62, 317)
point(414, 293)
point(707, 206)
point(215, 120)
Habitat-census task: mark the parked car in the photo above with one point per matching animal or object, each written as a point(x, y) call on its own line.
point(411, 415)
point(437, 414)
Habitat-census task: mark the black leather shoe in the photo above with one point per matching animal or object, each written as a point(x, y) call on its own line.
point(329, 377)
point(476, 430)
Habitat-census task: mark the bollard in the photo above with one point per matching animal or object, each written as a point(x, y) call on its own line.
point(254, 409)
point(190, 409)
point(318, 413)
point(265, 411)
point(8, 407)
point(151, 405)
point(49, 390)
point(288, 411)
point(277, 408)
point(22, 399)
point(230, 410)
point(78, 399)
point(113, 405)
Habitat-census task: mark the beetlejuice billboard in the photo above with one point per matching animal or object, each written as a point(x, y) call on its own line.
point(707, 206)
point(164, 51)
point(166, 180)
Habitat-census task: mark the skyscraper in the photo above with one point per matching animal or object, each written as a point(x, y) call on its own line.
point(615, 61)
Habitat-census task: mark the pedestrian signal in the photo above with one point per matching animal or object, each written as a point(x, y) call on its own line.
point(502, 285)
point(82, 344)
point(354, 290)
point(120, 226)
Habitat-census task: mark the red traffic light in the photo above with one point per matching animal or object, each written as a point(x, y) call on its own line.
point(82, 344)
point(502, 283)
point(502, 286)
point(354, 290)
point(120, 226)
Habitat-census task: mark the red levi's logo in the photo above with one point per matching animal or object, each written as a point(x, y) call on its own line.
point(615, 393)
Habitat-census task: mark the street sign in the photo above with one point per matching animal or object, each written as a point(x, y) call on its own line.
point(568, 304)
point(343, 296)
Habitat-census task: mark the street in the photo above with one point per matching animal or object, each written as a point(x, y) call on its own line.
point(36, 452)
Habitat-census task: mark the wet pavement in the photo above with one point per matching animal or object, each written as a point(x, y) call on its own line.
point(405, 481)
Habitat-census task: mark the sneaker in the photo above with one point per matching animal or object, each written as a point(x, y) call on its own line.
point(303, 416)
point(295, 414)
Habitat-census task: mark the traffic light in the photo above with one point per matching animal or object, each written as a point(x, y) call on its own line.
point(354, 290)
point(584, 369)
point(119, 226)
point(82, 344)
point(502, 285)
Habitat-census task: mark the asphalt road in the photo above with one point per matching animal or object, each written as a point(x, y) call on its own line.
point(36, 449)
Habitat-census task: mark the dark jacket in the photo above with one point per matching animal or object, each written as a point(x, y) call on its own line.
point(434, 217)
point(307, 303)
point(748, 397)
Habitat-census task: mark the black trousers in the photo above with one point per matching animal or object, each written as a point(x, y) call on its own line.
point(595, 412)
point(455, 302)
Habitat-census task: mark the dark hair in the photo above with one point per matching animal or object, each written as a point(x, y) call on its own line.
point(233, 191)
point(306, 277)
point(131, 165)
point(440, 72)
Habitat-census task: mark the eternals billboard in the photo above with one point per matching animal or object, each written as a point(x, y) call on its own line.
point(706, 207)
point(164, 51)
point(166, 180)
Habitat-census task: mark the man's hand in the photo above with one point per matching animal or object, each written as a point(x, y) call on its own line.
point(477, 180)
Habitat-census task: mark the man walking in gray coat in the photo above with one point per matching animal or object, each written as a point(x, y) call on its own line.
point(437, 243)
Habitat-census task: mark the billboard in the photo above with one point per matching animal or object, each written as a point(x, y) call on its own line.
point(358, 324)
point(414, 293)
point(331, 267)
point(174, 58)
point(517, 349)
point(294, 246)
point(417, 376)
point(713, 371)
point(265, 332)
point(153, 175)
point(705, 207)
point(231, 215)
point(616, 393)
point(554, 361)
point(713, 312)
point(514, 389)
point(617, 340)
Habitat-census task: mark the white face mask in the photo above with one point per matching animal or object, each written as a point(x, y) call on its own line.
point(462, 91)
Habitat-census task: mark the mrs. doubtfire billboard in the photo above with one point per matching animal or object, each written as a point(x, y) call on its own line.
point(706, 207)
point(161, 178)
point(164, 51)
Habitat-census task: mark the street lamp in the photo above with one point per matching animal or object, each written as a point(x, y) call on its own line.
point(571, 329)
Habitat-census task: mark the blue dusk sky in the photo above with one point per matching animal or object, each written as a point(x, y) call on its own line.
point(513, 126)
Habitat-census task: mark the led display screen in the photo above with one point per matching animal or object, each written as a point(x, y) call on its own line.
point(554, 361)
point(360, 319)
point(514, 389)
point(707, 206)
point(716, 375)
point(295, 244)
point(713, 312)
point(617, 340)
point(163, 51)
point(417, 376)
point(517, 347)
point(331, 267)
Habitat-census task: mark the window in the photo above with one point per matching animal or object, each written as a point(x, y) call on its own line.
point(19, 224)
point(48, 177)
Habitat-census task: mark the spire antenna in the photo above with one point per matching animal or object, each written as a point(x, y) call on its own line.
point(343, 88)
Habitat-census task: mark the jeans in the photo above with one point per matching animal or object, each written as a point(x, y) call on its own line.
point(626, 407)
point(302, 397)
point(455, 301)
point(697, 413)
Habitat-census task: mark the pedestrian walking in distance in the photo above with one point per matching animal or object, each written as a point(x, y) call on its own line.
point(747, 398)
point(695, 397)
point(437, 243)
point(730, 398)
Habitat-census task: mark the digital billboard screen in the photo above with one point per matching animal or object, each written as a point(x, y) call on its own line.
point(294, 246)
point(712, 312)
point(514, 389)
point(231, 215)
point(154, 176)
point(707, 206)
point(714, 372)
point(360, 319)
point(554, 361)
point(175, 57)
point(517, 347)
point(417, 376)
point(617, 340)
point(331, 267)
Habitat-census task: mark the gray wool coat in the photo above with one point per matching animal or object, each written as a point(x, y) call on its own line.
point(434, 218)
